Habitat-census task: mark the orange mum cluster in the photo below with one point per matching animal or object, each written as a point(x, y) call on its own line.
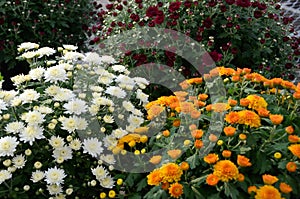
point(269, 190)
point(245, 117)
point(168, 173)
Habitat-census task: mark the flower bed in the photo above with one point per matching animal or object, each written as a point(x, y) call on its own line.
point(80, 126)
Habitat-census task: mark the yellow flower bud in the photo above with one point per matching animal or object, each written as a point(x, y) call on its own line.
point(112, 194)
point(119, 181)
point(102, 195)
point(220, 142)
point(277, 155)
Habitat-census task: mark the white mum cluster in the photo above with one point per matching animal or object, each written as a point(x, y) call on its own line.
point(53, 112)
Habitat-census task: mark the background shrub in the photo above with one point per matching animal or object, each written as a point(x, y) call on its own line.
point(46, 22)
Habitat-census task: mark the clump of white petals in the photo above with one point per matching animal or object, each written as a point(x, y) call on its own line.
point(55, 176)
point(8, 146)
point(92, 146)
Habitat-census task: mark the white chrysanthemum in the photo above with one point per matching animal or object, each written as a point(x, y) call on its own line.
point(116, 91)
point(27, 46)
point(131, 128)
point(119, 68)
point(105, 80)
point(7, 96)
point(3, 105)
point(18, 79)
point(92, 58)
point(135, 120)
point(108, 119)
point(69, 47)
point(96, 88)
point(54, 189)
point(29, 95)
point(63, 94)
point(55, 74)
point(64, 152)
point(76, 106)
point(99, 101)
point(137, 112)
point(31, 133)
point(44, 109)
point(93, 109)
point(45, 51)
point(8, 146)
point(33, 117)
point(52, 90)
point(72, 123)
point(100, 172)
point(14, 127)
point(59, 196)
point(128, 106)
point(19, 161)
point(75, 144)
point(118, 133)
point(4, 175)
point(141, 82)
point(66, 66)
point(142, 96)
point(109, 159)
point(55, 176)
point(36, 73)
point(29, 54)
point(107, 182)
point(72, 56)
point(107, 59)
point(37, 176)
point(124, 79)
point(92, 146)
point(56, 142)
point(110, 141)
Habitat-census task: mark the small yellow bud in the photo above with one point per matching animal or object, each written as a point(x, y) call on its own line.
point(277, 155)
point(119, 181)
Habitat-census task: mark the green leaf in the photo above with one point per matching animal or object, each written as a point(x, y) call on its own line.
point(231, 191)
point(142, 184)
point(193, 160)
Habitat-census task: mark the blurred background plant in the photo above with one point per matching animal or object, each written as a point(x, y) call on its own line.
point(253, 34)
point(47, 22)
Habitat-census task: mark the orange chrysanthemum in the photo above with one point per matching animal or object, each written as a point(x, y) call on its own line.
point(208, 107)
point(291, 166)
point(269, 179)
point(176, 122)
point(198, 144)
point(241, 177)
point(176, 190)
point(220, 107)
point(195, 113)
point(141, 129)
point(289, 129)
point(154, 111)
point(226, 170)
point(235, 78)
point(184, 166)
point(244, 102)
point(285, 188)
point(212, 180)
point(232, 117)
point(184, 85)
point(202, 96)
point(229, 130)
point(170, 172)
point(197, 133)
point(186, 107)
point(174, 154)
point(276, 119)
point(154, 178)
point(293, 138)
point(267, 192)
point(243, 161)
point(263, 112)
point(195, 80)
point(232, 102)
point(165, 185)
point(295, 149)
point(256, 102)
point(211, 158)
point(252, 189)
point(249, 118)
point(226, 153)
point(296, 95)
point(155, 159)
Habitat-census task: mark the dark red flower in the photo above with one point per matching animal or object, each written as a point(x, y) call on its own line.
point(257, 14)
point(230, 2)
point(174, 16)
point(152, 11)
point(134, 17)
point(216, 56)
point(223, 8)
point(187, 4)
point(234, 51)
point(243, 3)
point(159, 19)
point(288, 65)
point(141, 23)
point(151, 24)
point(109, 6)
point(119, 7)
point(255, 4)
point(160, 4)
point(138, 1)
point(212, 3)
point(285, 39)
point(174, 6)
point(229, 25)
point(207, 23)
point(262, 6)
